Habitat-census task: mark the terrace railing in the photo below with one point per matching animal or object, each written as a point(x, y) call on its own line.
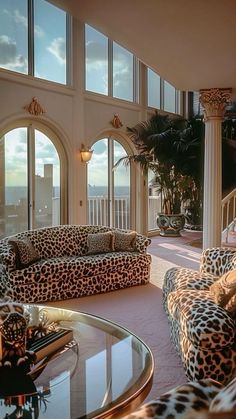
point(99, 213)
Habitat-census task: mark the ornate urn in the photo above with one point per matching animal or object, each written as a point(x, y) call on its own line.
point(170, 224)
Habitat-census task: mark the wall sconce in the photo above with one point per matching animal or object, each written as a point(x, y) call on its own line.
point(86, 154)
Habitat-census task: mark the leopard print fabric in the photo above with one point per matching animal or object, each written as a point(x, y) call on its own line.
point(218, 260)
point(203, 333)
point(182, 278)
point(182, 400)
point(66, 271)
point(226, 399)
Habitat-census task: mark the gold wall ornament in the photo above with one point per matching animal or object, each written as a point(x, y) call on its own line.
point(34, 108)
point(116, 122)
point(214, 102)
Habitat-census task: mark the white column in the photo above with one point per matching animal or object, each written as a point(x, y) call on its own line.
point(214, 102)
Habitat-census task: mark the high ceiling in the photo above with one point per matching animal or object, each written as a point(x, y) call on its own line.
point(190, 43)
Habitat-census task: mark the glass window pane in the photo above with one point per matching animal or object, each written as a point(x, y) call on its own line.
point(154, 90)
point(98, 184)
point(169, 97)
point(13, 182)
point(122, 73)
point(49, 42)
point(154, 202)
point(96, 53)
point(47, 182)
point(14, 35)
point(121, 189)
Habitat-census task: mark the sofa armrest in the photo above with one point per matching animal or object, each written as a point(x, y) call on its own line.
point(142, 242)
point(203, 322)
point(7, 257)
point(218, 260)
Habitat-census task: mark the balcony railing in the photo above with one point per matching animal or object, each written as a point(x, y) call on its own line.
point(98, 212)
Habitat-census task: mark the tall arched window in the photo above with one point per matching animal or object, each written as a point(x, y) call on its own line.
point(30, 185)
point(108, 188)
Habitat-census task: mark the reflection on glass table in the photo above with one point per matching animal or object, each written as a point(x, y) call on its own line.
point(105, 372)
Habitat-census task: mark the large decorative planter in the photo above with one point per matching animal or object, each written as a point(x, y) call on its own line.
point(170, 224)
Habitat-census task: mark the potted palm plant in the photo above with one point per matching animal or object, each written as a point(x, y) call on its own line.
point(170, 147)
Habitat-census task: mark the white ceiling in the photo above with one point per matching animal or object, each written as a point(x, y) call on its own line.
point(190, 43)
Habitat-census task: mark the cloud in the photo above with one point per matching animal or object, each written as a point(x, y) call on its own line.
point(9, 57)
point(96, 52)
point(123, 77)
point(21, 149)
point(22, 20)
point(58, 49)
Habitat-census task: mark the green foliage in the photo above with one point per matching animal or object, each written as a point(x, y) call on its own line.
point(171, 147)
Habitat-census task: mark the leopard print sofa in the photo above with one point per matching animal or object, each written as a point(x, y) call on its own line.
point(203, 333)
point(65, 270)
point(203, 399)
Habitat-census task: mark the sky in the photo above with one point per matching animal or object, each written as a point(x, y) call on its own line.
point(98, 165)
point(49, 39)
point(96, 45)
point(16, 157)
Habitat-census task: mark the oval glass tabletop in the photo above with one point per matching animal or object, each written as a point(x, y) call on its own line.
point(105, 371)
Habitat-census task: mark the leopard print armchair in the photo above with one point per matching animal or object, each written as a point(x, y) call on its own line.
point(54, 263)
point(202, 332)
point(203, 399)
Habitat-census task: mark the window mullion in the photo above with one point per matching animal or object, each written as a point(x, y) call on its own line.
point(31, 37)
point(69, 64)
point(135, 79)
point(31, 177)
point(162, 101)
point(111, 182)
point(110, 68)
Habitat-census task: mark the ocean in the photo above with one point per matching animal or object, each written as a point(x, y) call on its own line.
point(15, 194)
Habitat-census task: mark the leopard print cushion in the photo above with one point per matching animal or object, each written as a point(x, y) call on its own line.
point(125, 242)
point(26, 254)
point(224, 291)
point(225, 400)
point(182, 400)
point(100, 243)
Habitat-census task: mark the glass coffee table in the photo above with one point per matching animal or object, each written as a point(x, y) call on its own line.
point(105, 371)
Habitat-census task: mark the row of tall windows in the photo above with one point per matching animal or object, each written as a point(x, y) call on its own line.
point(34, 40)
point(112, 70)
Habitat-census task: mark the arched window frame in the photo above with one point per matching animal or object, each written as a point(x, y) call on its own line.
point(125, 143)
point(56, 138)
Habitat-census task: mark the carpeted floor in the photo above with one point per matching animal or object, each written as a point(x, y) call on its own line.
point(140, 309)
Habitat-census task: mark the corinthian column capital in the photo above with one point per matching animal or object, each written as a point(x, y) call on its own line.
point(214, 102)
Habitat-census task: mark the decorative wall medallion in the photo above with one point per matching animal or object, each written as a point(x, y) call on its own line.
point(34, 108)
point(214, 101)
point(116, 122)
